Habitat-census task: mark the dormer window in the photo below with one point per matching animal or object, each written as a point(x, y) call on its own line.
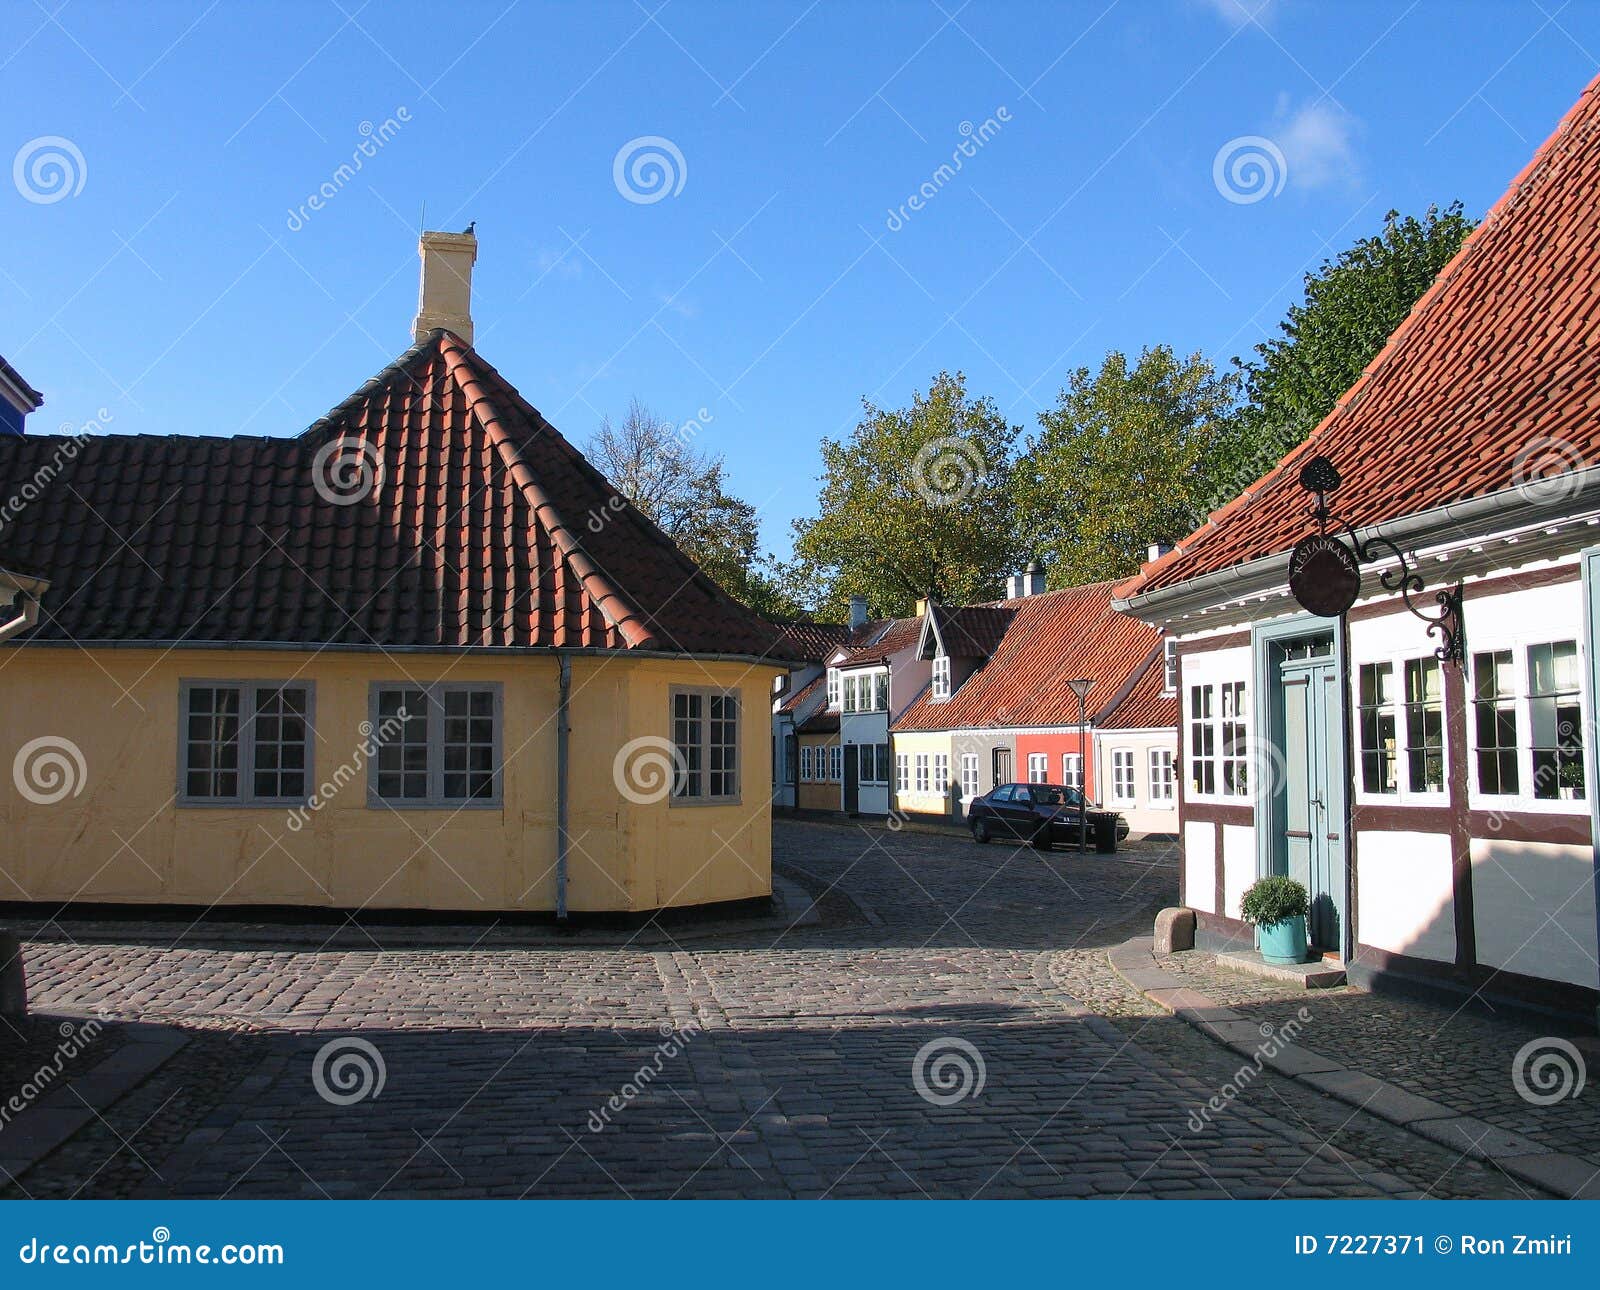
point(833, 687)
point(941, 677)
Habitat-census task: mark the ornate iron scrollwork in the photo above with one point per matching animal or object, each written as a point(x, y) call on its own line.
point(1446, 623)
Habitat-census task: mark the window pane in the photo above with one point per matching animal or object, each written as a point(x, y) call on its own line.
point(1376, 717)
point(1556, 721)
point(1495, 722)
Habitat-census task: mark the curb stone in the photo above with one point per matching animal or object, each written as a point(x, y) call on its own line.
point(50, 1121)
point(1557, 1172)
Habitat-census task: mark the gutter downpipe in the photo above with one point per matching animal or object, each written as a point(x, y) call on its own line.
point(27, 616)
point(563, 794)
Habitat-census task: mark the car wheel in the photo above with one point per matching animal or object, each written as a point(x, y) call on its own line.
point(980, 831)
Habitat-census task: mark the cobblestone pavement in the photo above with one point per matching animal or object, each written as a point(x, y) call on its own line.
point(1461, 1056)
point(953, 1029)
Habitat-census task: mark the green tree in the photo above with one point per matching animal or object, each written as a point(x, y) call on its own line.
point(654, 464)
point(1351, 306)
point(1122, 460)
point(915, 502)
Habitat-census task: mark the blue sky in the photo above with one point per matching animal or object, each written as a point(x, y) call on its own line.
point(171, 277)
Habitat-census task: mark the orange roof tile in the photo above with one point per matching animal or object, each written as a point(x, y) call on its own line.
point(1052, 639)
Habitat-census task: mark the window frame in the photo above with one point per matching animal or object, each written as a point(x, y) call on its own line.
point(923, 769)
point(707, 693)
point(941, 774)
point(1039, 761)
point(902, 772)
point(1072, 770)
point(433, 692)
point(940, 683)
point(247, 747)
point(1129, 762)
point(1161, 764)
point(1169, 666)
point(1215, 722)
point(974, 787)
point(1520, 702)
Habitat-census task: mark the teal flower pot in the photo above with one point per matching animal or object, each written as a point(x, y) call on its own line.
point(1284, 942)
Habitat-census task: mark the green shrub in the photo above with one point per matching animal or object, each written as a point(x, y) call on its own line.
point(1275, 899)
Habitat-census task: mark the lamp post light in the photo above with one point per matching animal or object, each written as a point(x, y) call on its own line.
point(1081, 688)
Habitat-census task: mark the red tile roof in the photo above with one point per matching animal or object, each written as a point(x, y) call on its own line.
point(1494, 367)
point(803, 695)
point(812, 642)
point(878, 640)
point(486, 528)
point(1052, 639)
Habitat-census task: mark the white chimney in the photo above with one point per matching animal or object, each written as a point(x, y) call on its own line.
point(445, 297)
point(858, 613)
point(1033, 579)
point(1157, 550)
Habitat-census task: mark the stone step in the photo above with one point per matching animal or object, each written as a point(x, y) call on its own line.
point(1320, 974)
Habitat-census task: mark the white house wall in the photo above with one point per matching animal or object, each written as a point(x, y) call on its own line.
point(1541, 896)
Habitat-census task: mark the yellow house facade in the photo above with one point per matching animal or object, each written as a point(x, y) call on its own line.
point(421, 656)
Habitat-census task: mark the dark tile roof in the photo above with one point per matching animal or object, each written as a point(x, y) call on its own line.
point(486, 528)
point(812, 642)
point(1491, 380)
point(1051, 639)
point(971, 631)
point(875, 642)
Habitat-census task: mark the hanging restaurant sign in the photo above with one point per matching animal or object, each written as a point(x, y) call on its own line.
point(1325, 569)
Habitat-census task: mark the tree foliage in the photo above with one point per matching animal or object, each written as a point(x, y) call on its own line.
point(1351, 306)
point(915, 502)
point(654, 464)
point(1123, 459)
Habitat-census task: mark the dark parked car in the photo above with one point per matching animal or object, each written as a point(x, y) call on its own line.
point(1043, 814)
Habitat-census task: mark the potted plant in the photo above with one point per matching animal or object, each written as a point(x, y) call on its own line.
point(1277, 905)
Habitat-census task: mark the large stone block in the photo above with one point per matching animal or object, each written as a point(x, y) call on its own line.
point(1174, 930)
point(13, 987)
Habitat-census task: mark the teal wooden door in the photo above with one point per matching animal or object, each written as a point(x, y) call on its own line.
point(1311, 802)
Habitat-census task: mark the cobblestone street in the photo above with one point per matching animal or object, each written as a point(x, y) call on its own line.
point(950, 1027)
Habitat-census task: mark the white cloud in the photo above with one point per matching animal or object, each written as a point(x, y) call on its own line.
point(1318, 143)
point(1239, 12)
point(560, 264)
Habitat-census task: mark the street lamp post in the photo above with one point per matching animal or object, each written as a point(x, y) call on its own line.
point(1081, 688)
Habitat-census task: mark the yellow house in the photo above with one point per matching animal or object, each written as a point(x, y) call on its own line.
point(421, 656)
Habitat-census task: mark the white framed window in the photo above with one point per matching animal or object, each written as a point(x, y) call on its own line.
point(833, 688)
point(1424, 725)
point(1038, 768)
point(805, 761)
point(1072, 770)
point(880, 691)
point(941, 773)
point(969, 775)
point(941, 677)
point(1375, 709)
point(902, 772)
point(1219, 740)
point(437, 745)
point(836, 763)
point(1556, 720)
point(1122, 776)
point(1169, 665)
point(921, 765)
point(243, 743)
point(705, 735)
point(1163, 777)
point(873, 761)
point(1494, 718)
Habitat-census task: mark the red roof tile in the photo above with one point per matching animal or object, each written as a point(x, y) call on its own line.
point(812, 642)
point(875, 642)
point(486, 529)
point(1495, 361)
point(1052, 639)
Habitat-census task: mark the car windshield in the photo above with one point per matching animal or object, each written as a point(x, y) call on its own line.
point(1053, 795)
